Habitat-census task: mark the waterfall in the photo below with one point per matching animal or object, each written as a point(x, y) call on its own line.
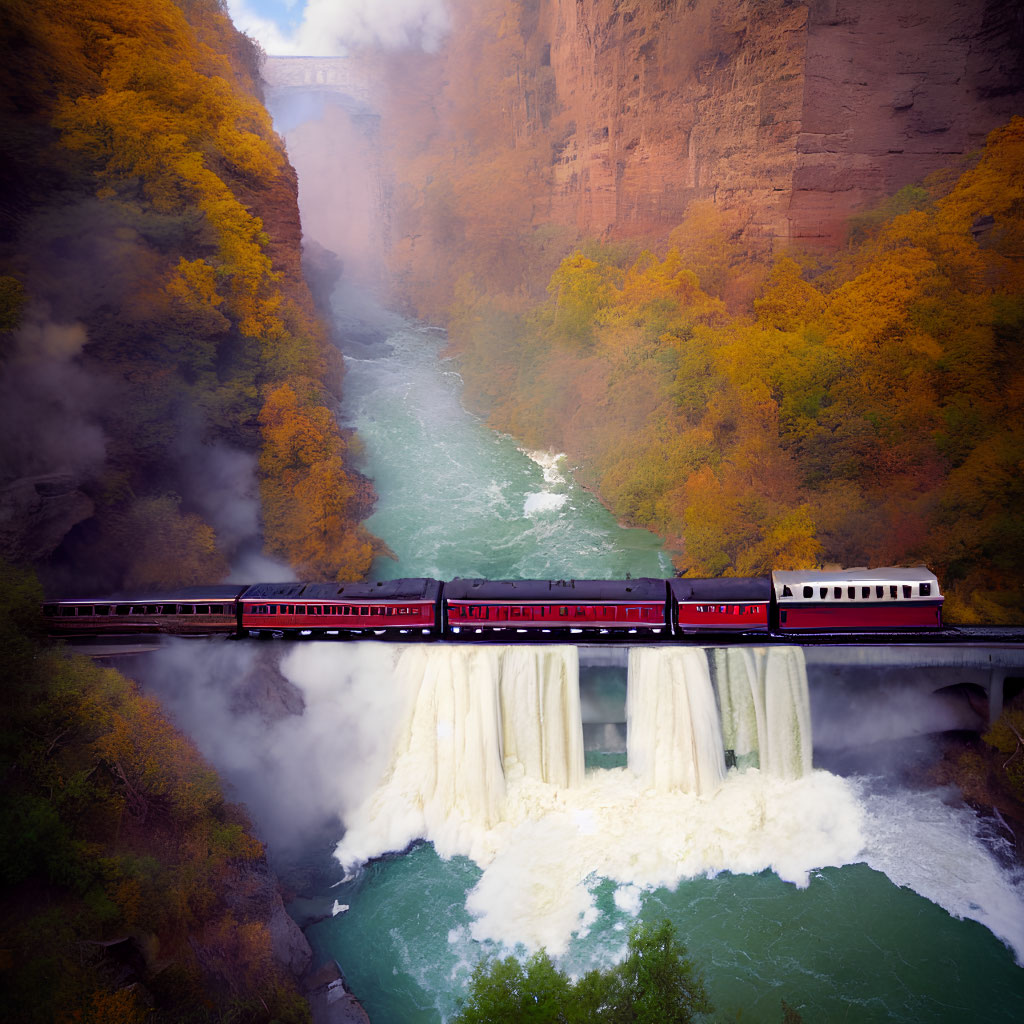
point(766, 716)
point(488, 764)
point(473, 715)
point(542, 727)
point(673, 740)
point(741, 699)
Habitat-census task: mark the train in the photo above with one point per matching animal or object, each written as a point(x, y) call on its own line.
point(786, 603)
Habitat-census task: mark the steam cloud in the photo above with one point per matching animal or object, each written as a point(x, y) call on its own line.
point(302, 737)
point(48, 401)
point(329, 27)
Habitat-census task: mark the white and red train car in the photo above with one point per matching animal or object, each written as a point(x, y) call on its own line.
point(857, 599)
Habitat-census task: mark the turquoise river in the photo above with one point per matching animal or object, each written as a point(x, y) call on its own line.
point(923, 922)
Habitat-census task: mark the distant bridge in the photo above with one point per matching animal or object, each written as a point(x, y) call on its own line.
point(348, 76)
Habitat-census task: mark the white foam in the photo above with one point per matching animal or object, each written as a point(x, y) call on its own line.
point(551, 464)
point(543, 501)
point(502, 786)
point(934, 848)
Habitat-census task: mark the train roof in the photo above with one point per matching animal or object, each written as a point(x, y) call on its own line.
point(385, 590)
point(189, 595)
point(643, 588)
point(722, 588)
point(853, 577)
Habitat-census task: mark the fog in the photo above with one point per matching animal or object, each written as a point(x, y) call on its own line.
point(301, 734)
point(330, 27)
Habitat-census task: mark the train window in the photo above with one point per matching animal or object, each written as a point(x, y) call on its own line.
point(837, 591)
point(101, 609)
point(808, 591)
point(152, 609)
point(202, 609)
point(300, 609)
point(216, 609)
point(313, 609)
point(787, 592)
point(926, 589)
point(374, 610)
point(67, 611)
point(879, 591)
point(186, 609)
point(907, 591)
point(49, 609)
point(851, 593)
point(138, 609)
point(892, 592)
point(865, 591)
point(823, 592)
point(169, 609)
point(365, 611)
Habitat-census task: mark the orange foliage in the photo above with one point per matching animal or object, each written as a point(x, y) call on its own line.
point(159, 103)
point(872, 415)
point(311, 503)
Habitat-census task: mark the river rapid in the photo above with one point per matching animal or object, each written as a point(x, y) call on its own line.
point(852, 898)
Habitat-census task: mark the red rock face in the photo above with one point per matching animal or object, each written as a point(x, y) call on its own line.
point(610, 116)
point(671, 102)
point(798, 114)
point(892, 92)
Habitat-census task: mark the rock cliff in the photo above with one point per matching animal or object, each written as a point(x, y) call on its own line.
point(798, 114)
point(622, 112)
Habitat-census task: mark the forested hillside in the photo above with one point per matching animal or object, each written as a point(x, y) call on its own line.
point(865, 409)
point(130, 889)
point(167, 386)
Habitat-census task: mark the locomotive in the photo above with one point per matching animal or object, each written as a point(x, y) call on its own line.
point(786, 603)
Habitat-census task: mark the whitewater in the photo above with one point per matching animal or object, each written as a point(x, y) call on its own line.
point(487, 763)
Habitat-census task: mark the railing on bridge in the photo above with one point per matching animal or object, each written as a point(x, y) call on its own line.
point(349, 76)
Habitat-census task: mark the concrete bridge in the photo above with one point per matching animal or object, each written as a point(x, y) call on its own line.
point(347, 76)
point(952, 685)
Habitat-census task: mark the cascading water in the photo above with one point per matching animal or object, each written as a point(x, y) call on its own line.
point(766, 712)
point(851, 898)
point(673, 737)
point(488, 764)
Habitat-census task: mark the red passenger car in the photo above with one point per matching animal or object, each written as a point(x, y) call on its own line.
point(737, 604)
point(858, 599)
point(543, 607)
point(374, 609)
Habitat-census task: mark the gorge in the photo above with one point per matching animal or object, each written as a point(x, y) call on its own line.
point(745, 274)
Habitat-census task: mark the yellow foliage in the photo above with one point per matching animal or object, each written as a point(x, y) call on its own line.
point(871, 416)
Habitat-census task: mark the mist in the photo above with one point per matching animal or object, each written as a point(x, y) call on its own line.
point(301, 734)
point(331, 27)
point(49, 402)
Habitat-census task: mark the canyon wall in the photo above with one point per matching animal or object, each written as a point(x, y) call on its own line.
point(797, 114)
point(892, 93)
point(606, 118)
